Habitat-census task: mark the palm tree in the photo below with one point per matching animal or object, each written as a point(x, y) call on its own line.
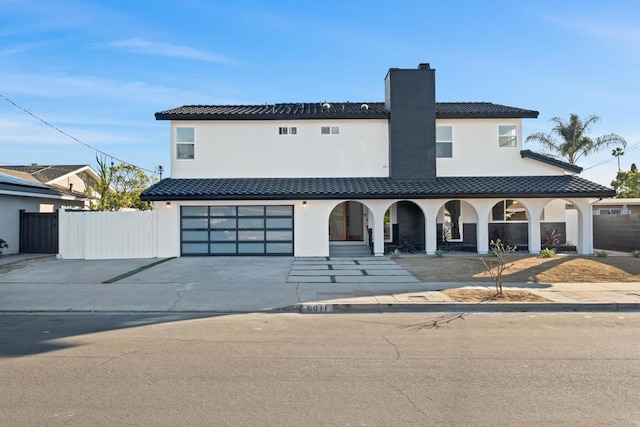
point(575, 141)
point(617, 152)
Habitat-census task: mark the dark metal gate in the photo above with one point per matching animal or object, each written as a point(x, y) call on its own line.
point(38, 232)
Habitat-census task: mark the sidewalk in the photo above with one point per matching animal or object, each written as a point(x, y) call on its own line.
point(249, 284)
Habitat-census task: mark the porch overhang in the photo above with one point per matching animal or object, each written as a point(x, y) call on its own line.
point(562, 186)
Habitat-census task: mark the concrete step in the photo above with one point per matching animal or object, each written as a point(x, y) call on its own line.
point(349, 250)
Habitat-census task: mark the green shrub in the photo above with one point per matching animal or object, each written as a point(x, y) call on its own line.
point(636, 253)
point(439, 253)
point(547, 252)
point(394, 253)
point(601, 254)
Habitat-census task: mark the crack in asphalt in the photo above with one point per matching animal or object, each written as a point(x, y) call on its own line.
point(409, 399)
point(435, 323)
point(395, 348)
point(112, 358)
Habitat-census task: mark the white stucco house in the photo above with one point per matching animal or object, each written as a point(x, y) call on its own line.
point(20, 191)
point(70, 180)
point(319, 179)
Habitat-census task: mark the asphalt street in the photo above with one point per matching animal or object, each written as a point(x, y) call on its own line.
point(329, 369)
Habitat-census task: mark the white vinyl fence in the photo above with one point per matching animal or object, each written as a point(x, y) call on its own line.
point(107, 235)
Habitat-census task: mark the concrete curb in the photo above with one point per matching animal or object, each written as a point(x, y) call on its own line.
point(464, 307)
point(322, 308)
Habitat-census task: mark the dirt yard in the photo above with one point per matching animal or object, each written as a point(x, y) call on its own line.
point(524, 268)
point(484, 295)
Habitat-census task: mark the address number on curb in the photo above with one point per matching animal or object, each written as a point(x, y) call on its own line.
point(317, 308)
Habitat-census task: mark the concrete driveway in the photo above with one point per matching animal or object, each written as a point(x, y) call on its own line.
point(222, 284)
point(187, 270)
point(249, 284)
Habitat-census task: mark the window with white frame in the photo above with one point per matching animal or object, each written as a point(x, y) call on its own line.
point(329, 130)
point(284, 130)
point(612, 211)
point(185, 143)
point(444, 141)
point(507, 136)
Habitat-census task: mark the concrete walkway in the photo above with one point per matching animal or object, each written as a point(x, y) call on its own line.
point(248, 284)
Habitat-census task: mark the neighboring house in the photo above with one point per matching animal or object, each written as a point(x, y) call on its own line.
point(21, 191)
point(311, 179)
point(616, 224)
point(72, 180)
point(616, 206)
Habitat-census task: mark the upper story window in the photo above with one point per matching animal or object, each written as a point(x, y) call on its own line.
point(283, 130)
point(329, 130)
point(507, 136)
point(444, 141)
point(185, 143)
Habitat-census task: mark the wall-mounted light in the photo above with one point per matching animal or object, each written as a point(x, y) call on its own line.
point(168, 205)
point(304, 204)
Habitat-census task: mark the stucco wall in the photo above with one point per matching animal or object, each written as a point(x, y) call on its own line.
point(254, 149)
point(476, 151)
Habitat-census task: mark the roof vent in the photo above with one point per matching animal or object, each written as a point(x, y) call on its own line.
point(364, 107)
point(326, 106)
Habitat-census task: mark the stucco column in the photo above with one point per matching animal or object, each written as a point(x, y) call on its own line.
point(167, 229)
point(430, 211)
point(585, 227)
point(483, 208)
point(534, 210)
point(377, 208)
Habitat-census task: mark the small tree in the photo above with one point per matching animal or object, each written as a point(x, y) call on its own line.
point(496, 269)
point(120, 186)
point(627, 183)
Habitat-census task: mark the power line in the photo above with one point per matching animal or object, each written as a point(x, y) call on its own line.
point(630, 148)
point(71, 136)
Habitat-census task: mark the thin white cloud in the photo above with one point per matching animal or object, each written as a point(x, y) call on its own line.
point(147, 47)
point(74, 87)
point(617, 32)
point(20, 48)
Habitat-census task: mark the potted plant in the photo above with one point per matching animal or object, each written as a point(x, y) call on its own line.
point(3, 244)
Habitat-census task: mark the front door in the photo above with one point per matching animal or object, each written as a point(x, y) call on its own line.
point(346, 222)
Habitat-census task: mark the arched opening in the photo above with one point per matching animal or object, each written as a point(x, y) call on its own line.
point(457, 227)
point(509, 223)
point(559, 226)
point(404, 227)
point(349, 230)
point(346, 222)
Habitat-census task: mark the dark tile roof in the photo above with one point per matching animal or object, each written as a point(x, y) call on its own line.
point(374, 188)
point(46, 173)
point(481, 110)
point(550, 161)
point(336, 110)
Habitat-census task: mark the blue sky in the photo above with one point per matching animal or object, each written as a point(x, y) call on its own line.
point(99, 70)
